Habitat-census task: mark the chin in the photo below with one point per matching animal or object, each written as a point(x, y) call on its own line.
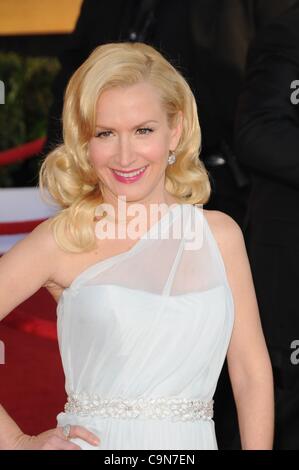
point(133, 196)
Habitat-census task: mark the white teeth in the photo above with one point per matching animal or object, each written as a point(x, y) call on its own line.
point(129, 175)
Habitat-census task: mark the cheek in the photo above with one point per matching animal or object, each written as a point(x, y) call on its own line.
point(154, 150)
point(99, 154)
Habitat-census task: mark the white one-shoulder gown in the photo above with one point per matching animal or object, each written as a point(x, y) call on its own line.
point(143, 336)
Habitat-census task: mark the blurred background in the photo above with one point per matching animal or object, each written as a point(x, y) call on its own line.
point(32, 33)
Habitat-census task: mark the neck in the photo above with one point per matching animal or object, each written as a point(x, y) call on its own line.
point(120, 212)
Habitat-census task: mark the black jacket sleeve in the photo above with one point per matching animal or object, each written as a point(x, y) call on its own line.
point(267, 123)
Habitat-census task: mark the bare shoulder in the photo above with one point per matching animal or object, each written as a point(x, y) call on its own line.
point(41, 232)
point(27, 266)
point(226, 231)
point(39, 245)
point(41, 238)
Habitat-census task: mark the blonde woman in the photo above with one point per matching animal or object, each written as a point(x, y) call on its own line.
point(147, 311)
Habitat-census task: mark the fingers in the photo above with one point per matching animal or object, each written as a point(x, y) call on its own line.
point(83, 433)
point(59, 443)
point(80, 432)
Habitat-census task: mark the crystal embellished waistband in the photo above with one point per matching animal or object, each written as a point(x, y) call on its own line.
point(176, 409)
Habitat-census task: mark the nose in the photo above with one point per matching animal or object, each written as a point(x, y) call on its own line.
point(125, 157)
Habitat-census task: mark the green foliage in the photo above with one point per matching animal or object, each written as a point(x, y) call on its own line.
point(23, 117)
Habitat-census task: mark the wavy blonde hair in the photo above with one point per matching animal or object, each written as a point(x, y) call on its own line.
point(66, 172)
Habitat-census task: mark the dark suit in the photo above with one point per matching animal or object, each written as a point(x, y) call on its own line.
point(267, 143)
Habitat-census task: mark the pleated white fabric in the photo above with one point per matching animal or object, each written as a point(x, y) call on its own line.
point(154, 321)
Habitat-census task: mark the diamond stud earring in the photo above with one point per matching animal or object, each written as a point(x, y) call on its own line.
point(171, 158)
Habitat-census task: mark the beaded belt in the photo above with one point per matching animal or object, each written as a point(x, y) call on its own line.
point(176, 409)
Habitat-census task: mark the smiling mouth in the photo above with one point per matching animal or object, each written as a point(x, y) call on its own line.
point(131, 174)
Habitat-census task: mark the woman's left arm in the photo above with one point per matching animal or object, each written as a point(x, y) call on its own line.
point(248, 360)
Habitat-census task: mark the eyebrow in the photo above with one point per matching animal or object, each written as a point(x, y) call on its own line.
point(135, 127)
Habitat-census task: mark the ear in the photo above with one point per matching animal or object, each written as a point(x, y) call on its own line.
point(176, 131)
